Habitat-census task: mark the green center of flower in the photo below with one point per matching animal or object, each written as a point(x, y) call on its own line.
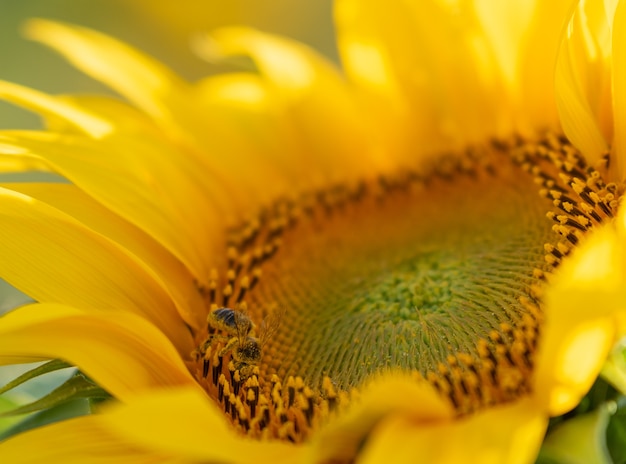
point(404, 280)
point(436, 272)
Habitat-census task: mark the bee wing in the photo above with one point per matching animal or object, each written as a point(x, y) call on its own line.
point(270, 325)
point(242, 324)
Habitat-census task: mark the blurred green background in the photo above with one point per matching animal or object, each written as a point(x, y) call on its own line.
point(162, 28)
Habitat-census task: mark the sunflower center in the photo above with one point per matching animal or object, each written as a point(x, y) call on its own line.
point(405, 278)
point(436, 271)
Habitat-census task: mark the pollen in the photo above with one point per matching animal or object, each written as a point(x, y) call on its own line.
point(436, 270)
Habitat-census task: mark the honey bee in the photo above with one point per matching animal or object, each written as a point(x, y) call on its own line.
point(241, 342)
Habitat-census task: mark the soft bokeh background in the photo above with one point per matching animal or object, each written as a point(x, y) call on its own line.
point(161, 27)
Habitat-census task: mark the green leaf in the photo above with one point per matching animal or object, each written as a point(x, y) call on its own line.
point(68, 410)
point(614, 369)
point(6, 422)
point(616, 433)
point(76, 387)
point(50, 366)
point(580, 440)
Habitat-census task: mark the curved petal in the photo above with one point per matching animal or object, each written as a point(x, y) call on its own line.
point(619, 90)
point(416, 92)
point(137, 178)
point(534, 52)
point(243, 109)
point(123, 353)
point(583, 80)
point(146, 82)
point(55, 259)
point(173, 275)
point(156, 90)
point(315, 99)
point(133, 127)
point(46, 105)
point(584, 304)
point(179, 424)
point(76, 441)
point(508, 434)
point(392, 395)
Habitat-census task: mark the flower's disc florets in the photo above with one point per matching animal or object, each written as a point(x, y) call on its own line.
point(436, 271)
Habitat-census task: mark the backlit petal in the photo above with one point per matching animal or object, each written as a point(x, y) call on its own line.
point(53, 258)
point(47, 105)
point(583, 305)
point(180, 423)
point(174, 276)
point(534, 30)
point(138, 178)
point(619, 90)
point(150, 85)
point(176, 185)
point(308, 85)
point(509, 434)
point(583, 80)
point(243, 110)
point(147, 83)
point(389, 396)
point(123, 353)
point(444, 93)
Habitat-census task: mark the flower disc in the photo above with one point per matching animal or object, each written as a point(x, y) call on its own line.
point(437, 272)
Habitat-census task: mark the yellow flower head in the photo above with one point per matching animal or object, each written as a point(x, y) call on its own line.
point(299, 263)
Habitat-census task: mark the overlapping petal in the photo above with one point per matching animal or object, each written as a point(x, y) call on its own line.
point(53, 258)
point(123, 353)
point(172, 273)
point(506, 434)
point(144, 81)
point(420, 87)
point(482, 67)
point(334, 144)
point(208, 147)
point(414, 95)
point(136, 180)
point(575, 340)
point(149, 430)
point(126, 140)
point(393, 395)
point(583, 79)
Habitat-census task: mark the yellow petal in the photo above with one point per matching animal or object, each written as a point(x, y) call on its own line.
point(147, 83)
point(541, 26)
point(316, 99)
point(53, 258)
point(144, 154)
point(583, 80)
point(179, 424)
point(123, 353)
point(47, 105)
point(389, 396)
point(419, 87)
point(151, 86)
point(619, 90)
point(243, 111)
point(77, 441)
point(173, 275)
point(583, 305)
point(140, 179)
point(500, 435)
point(132, 125)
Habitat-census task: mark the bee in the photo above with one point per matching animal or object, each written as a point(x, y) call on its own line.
point(241, 342)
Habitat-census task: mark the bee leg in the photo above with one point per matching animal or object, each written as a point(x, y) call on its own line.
point(245, 370)
point(229, 346)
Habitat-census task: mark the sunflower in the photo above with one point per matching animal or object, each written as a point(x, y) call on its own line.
point(421, 259)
